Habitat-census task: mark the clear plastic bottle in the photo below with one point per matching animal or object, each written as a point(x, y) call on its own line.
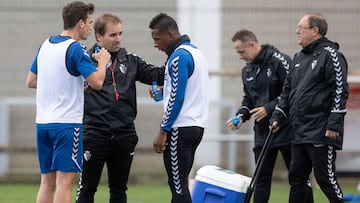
point(157, 93)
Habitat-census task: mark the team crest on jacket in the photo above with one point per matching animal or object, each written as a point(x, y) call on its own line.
point(87, 155)
point(313, 64)
point(122, 68)
point(268, 73)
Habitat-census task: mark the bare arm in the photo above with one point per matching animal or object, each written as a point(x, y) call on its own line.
point(96, 79)
point(31, 81)
point(160, 142)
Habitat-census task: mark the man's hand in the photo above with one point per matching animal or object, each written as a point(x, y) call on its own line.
point(274, 127)
point(160, 142)
point(231, 126)
point(332, 134)
point(151, 92)
point(102, 57)
point(258, 113)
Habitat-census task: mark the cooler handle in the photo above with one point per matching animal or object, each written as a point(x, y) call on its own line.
point(215, 192)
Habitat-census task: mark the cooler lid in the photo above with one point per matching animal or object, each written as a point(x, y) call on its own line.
point(223, 178)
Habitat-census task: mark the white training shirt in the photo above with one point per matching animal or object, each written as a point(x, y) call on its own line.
point(59, 95)
point(195, 106)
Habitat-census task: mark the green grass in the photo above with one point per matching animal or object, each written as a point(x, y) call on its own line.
point(26, 193)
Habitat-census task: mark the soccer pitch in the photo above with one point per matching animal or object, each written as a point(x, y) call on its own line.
point(142, 193)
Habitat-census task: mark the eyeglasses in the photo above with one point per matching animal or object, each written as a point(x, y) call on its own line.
point(303, 28)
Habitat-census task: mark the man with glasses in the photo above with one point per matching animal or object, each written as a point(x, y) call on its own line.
point(263, 77)
point(314, 99)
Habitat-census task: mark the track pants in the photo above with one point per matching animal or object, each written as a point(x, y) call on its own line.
point(263, 184)
point(116, 149)
point(320, 158)
point(178, 157)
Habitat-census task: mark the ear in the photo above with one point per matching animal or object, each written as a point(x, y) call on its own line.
point(81, 23)
point(316, 30)
point(98, 37)
point(171, 34)
point(250, 44)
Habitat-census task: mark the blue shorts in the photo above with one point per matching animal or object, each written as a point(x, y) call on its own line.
point(59, 147)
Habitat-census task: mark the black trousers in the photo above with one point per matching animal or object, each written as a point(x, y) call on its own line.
point(263, 184)
point(320, 158)
point(116, 149)
point(178, 157)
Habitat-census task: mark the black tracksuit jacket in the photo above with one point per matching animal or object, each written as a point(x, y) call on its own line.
point(315, 94)
point(262, 82)
point(102, 111)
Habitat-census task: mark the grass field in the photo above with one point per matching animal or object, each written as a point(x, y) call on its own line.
point(26, 193)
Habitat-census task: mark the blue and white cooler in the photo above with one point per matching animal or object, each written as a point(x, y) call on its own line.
point(217, 185)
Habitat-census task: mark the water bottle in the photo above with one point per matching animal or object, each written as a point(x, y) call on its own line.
point(157, 94)
point(235, 120)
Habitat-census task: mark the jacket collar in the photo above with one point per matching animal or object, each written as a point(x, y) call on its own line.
point(265, 54)
point(177, 43)
point(120, 55)
point(323, 41)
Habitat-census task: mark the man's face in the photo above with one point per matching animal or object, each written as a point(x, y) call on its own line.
point(111, 40)
point(305, 33)
point(246, 51)
point(162, 40)
point(86, 27)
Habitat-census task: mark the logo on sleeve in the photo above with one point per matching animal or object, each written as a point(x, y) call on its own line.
point(84, 50)
point(250, 79)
